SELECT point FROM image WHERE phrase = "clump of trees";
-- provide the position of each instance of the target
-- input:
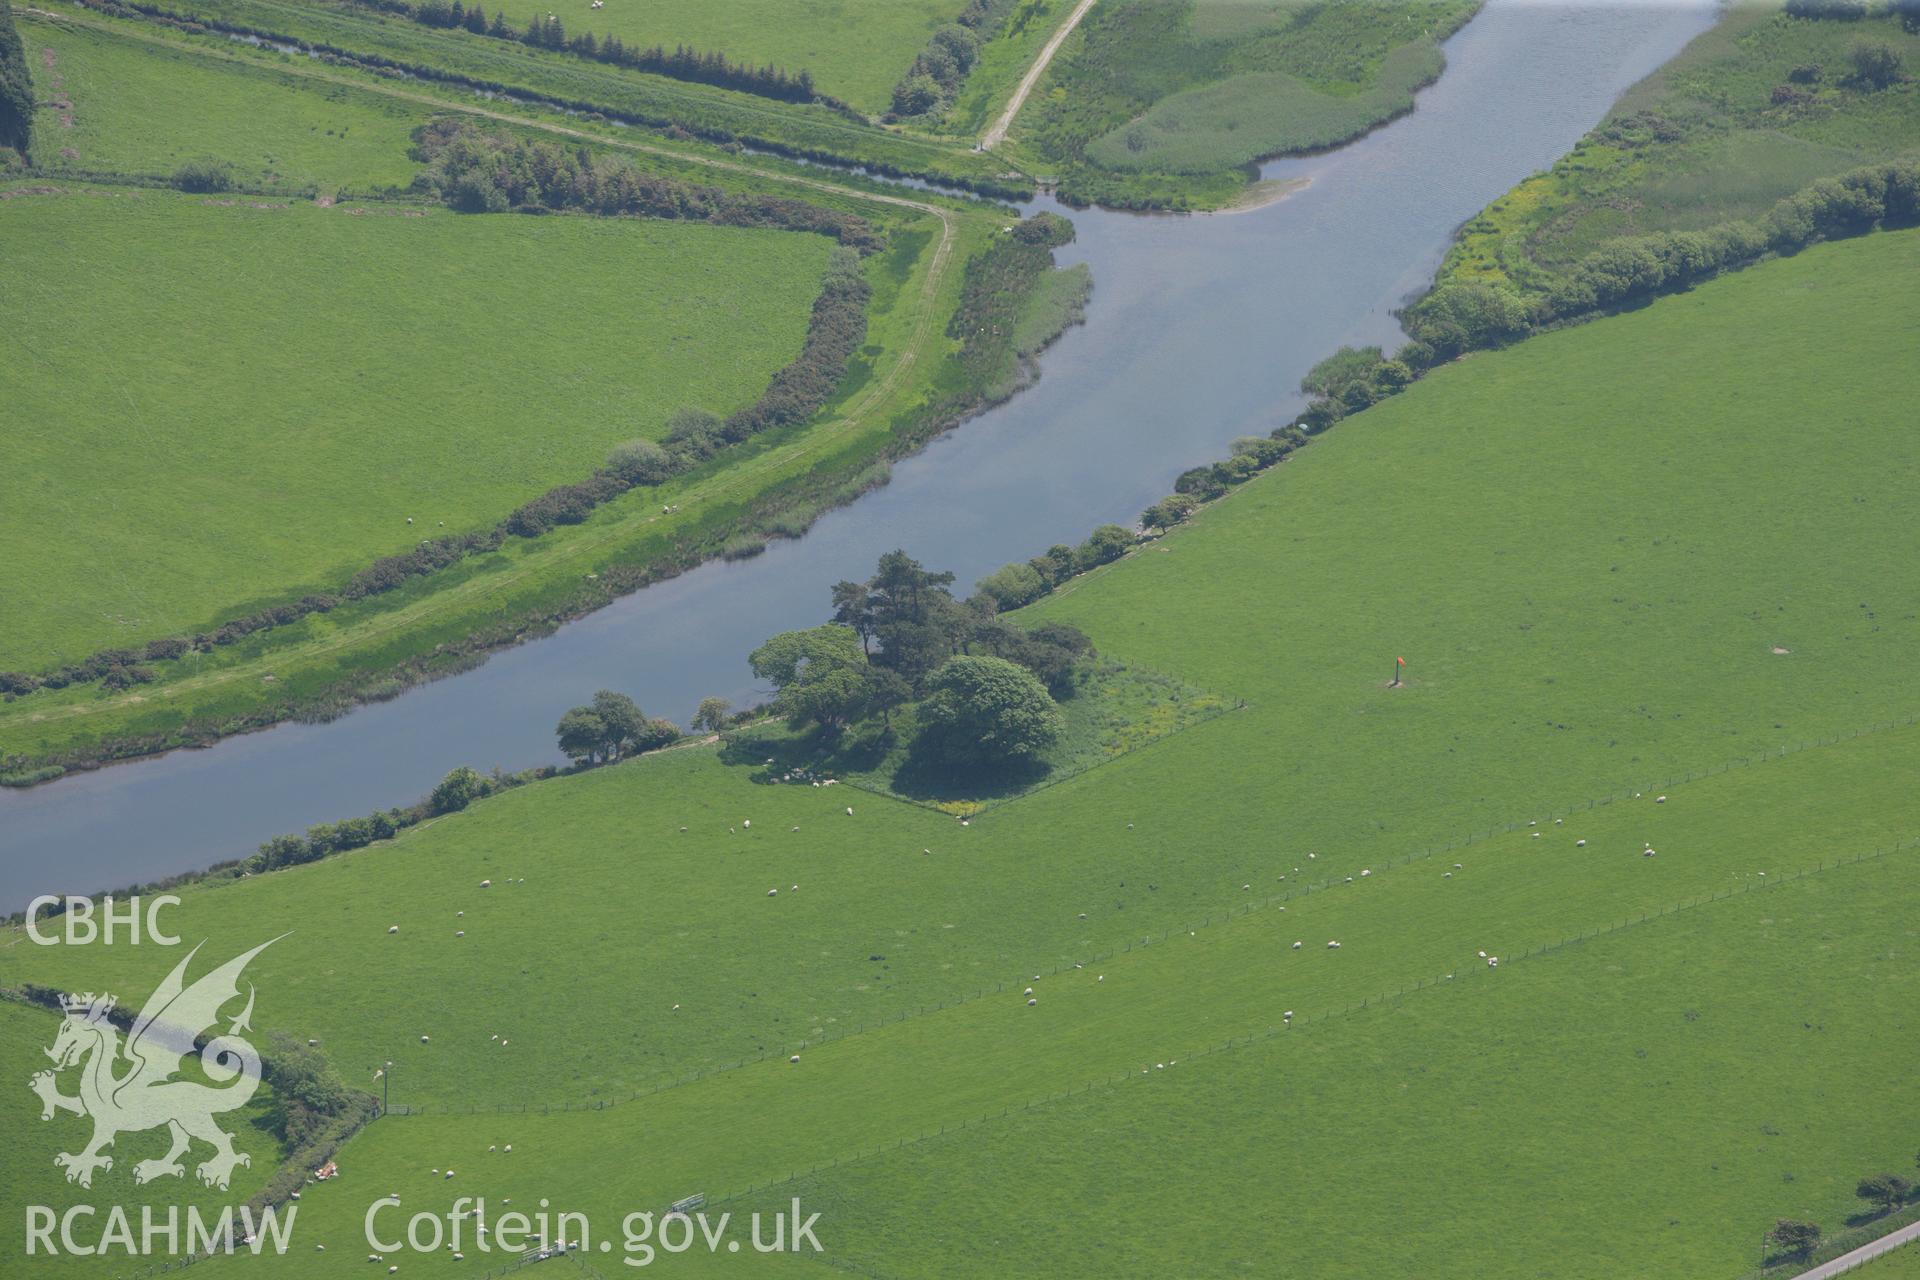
(899, 638)
(16, 87)
(610, 728)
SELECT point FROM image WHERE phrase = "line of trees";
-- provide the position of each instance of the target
(474, 171)
(16, 87)
(546, 31)
(930, 85)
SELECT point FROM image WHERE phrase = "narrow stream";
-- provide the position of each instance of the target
(1199, 331)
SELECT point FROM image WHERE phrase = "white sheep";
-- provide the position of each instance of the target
(1366, 873)
(1333, 946)
(1031, 1003)
(488, 884)
(1296, 946)
(393, 928)
(424, 1039)
(745, 823)
(773, 893)
(1659, 799)
(849, 811)
(794, 1058)
(1579, 844)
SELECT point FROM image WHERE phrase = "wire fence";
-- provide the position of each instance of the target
(1300, 1024)
(1295, 893)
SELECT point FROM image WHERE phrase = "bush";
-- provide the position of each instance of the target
(1103, 546)
(203, 176)
(456, 791)
(1333, 374)
(985, 712)
(1013, 585)
(1876, 63)
(640, 462)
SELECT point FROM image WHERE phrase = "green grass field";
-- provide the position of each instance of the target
(855, 51)
(1704, 140)
(108, 103)
(1155, 99)
(1608, 578)
(25, 1031)
(208, 389)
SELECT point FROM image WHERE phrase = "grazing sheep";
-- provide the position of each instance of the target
(1659, 799)
(1027, 992)
(773, 893)
(1032, 1002)
(1366, 873)
(1101, 978)
(508, 1147)
(423, 1039)
(1493, 962)
(1446, 875)
(1296, 946)
(1333, 946)
(794, 1058)
(1579, 844)
(488, 884)
(393, 928)
(1483, 955)
(849, 811)
(459, 933)
(745, 823)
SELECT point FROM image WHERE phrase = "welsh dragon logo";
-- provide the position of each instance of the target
(128, 1088)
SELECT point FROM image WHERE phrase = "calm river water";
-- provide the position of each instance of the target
(1199, 331)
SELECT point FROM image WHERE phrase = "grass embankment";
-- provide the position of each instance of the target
(159, 490)
(1165, 103)
(1754, 110)
(462, 59)
(1561, 540)
(898, 391)
(109, 104)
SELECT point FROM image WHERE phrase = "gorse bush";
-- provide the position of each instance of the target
(203, 176)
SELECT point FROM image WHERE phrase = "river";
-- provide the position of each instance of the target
(1199, 331)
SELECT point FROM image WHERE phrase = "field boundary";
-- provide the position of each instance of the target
(815, 439)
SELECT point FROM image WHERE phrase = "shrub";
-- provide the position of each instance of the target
(202, 176)
(1876, 63)
(456, 791)
(640, 462)
(985, 711)
(1013, 585)
(1103, 546)
(1333, 374)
